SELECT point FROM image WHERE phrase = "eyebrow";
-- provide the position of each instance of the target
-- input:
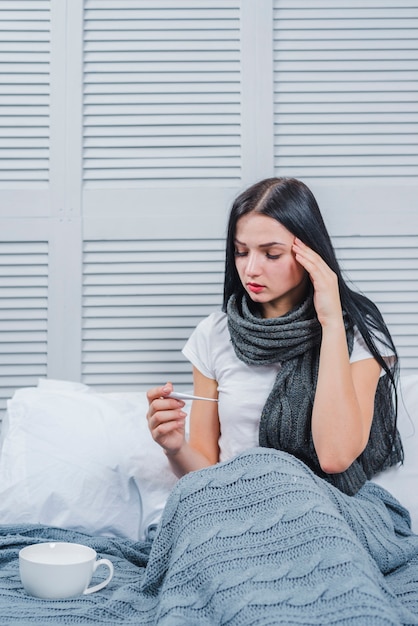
(263, 245)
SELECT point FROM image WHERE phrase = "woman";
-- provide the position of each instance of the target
(287, 528)
(298, 361)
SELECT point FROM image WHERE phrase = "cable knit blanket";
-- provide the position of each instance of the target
(258, 540)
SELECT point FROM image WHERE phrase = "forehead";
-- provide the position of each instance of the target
(257, 229)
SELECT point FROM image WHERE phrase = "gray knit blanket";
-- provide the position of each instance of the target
(258, 540)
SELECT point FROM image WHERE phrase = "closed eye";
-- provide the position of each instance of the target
(240, 253)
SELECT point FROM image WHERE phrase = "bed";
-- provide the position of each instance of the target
(77, 465)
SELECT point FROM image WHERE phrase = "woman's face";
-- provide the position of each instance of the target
(267, 266)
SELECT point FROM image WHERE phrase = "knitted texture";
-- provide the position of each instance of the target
(285, 422)
(258, 540)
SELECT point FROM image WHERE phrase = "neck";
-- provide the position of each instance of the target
(281, 306)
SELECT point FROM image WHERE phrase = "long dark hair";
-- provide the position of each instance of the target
(290, 202)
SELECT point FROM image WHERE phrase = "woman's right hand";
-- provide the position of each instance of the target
(166, 419)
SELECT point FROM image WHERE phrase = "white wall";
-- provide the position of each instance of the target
(129, 125)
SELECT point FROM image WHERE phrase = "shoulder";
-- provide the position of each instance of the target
(206, 341)
(214, 324)
(360, 350)
(209, 331)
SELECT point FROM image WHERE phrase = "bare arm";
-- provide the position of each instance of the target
(343, 406)
(166, 421)
(344, 399)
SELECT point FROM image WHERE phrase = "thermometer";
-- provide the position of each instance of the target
(188, 396)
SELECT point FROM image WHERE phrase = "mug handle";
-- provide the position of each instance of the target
(97, 564)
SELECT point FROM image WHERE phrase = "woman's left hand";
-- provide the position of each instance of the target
(325, 283)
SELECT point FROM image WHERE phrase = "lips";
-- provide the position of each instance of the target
(255, 287)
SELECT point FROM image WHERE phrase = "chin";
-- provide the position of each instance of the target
(255, 297)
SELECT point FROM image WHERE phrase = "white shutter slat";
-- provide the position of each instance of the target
(399, 291)
(129, 382)
(162, 163)
(326, 132)
(161, 21)
(380, 264)
(408, 320)
(153, 38)
(148, 100)
(25, 37)
(10, 179)
(351, 142)
(343, 19)
(37, 81)
(150, 58)
(323, 38)
(36, 336)
(178, 175)
(154, 66)
(12, 93)
(188, 280)
(9, 47)
(176, 81)
(173, 90)
(353, 68)
(130, 144)
(155, 110)
(371, 55)
(176, 310)
(155, 152)
(345, 75)
(132, 333)
(159, 132)
(371, 110)
(24, 76)
(176, 44)
(341, 92)
(341, 170)
(357, 5)
(169, 268)
(162, 4)
(360, 46)
(15, 359)
(32, 21)
(170, 77)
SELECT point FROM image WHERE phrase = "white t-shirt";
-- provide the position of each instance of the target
(243, 389)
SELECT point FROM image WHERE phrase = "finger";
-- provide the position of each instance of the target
(306, 252)
(162, 417)
(159, 392)
(167, 428)
(309, 264)
(166, 404)
(311, 260)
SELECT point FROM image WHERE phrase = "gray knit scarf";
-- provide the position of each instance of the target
(294, 341)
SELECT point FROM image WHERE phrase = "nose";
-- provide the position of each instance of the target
(253, 265)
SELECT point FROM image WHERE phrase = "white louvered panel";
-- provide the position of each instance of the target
(23, 315)
(386, 270)
(346, 88)
(162, 99)
(24, 93)
(141, 300)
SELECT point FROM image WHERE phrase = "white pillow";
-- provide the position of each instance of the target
(402, 481)
(82, 460)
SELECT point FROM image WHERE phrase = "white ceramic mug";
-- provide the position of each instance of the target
(60, 570)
